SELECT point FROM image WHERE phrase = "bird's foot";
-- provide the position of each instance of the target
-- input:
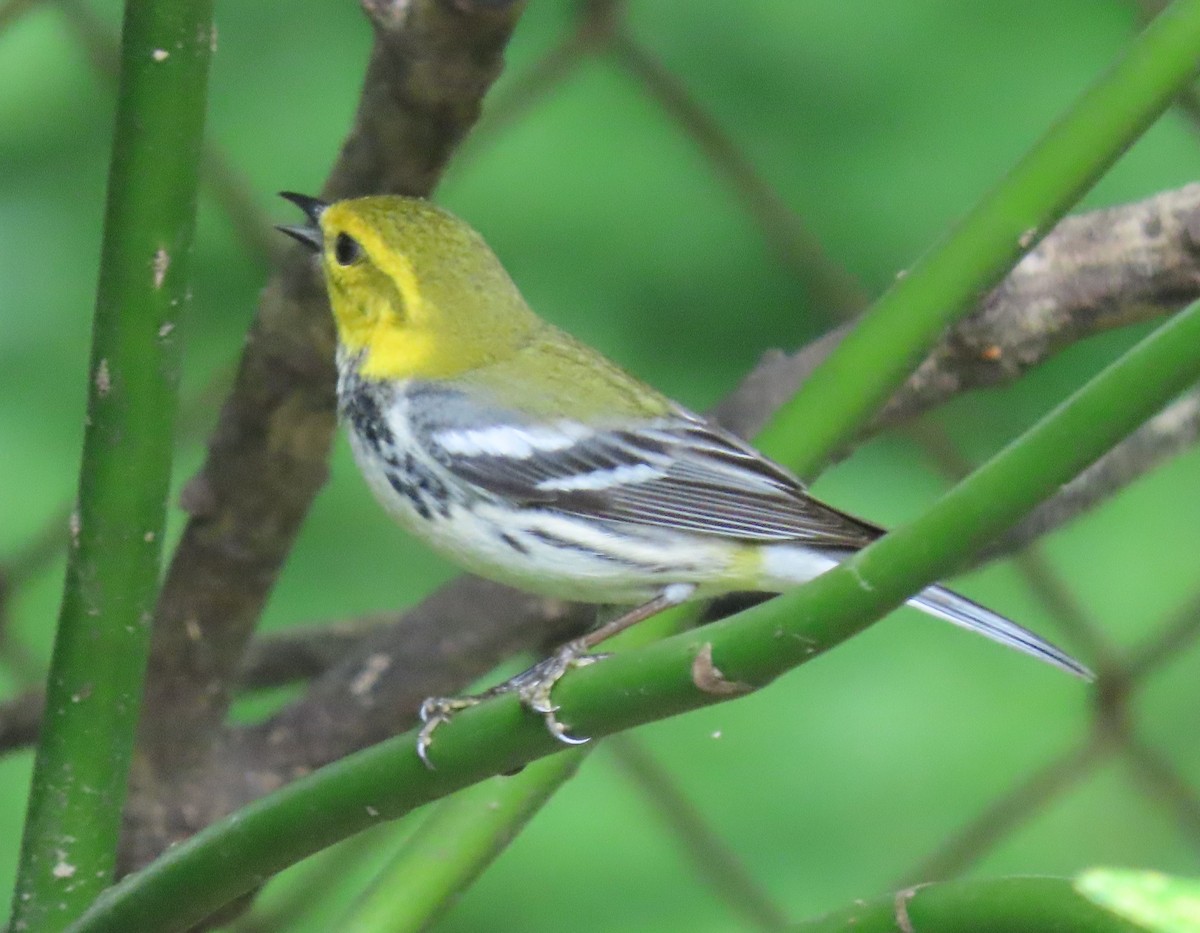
(532, 687)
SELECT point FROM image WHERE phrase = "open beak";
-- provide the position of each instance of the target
(313, 208)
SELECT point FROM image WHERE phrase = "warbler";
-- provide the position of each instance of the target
(528, 457)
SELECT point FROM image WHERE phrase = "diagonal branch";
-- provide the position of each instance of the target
(1093, 272)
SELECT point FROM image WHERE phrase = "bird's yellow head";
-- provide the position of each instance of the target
(414, 290)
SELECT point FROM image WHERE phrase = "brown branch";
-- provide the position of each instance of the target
(456, 635)
(1093, 272)
(430, 65)
(295, 654)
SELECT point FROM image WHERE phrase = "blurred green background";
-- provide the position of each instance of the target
(878, 124)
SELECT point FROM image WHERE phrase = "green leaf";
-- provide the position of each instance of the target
(1160, 903)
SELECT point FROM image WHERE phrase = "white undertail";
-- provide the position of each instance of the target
(790, 565)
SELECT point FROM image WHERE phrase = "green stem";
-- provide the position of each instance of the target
(1003, 905)
(851, 385)
(228, 858)
(460, 838)
(94, 690)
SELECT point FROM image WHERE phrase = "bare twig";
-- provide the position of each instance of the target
(295, 654)
(1093, 272)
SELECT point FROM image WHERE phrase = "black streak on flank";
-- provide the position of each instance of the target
(427, 484)
(399, 483)
(417, 483)
(362, 411)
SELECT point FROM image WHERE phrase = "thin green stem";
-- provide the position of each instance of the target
(845, 391)
(95, 684)
(460, 838)
(309, 887)
(676, 674)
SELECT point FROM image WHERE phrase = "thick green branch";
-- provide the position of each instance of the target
(95, 682)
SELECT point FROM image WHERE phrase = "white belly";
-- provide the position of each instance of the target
(538, 550)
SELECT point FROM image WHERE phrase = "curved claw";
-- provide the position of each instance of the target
(566, 738)
(433, 712)
(424, 737)
(559, 731)
(533, 686)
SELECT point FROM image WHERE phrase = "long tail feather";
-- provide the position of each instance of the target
(946, 604)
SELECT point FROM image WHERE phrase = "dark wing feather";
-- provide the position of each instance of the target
(675, 472)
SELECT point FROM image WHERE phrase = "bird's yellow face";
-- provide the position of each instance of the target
(416, 291)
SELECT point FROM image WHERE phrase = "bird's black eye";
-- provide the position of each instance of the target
(346, 249)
